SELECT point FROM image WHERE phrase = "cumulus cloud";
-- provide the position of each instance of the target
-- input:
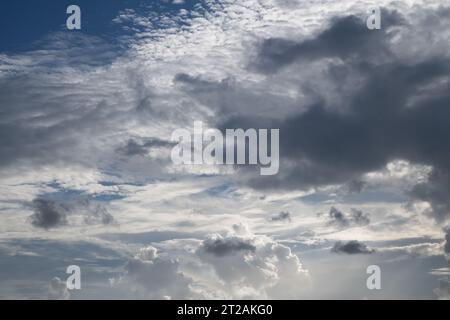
(426, 249)
(135, 148)
(351, 247)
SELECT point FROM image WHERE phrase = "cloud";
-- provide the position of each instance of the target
(337, 217)
(134, 148)
(351, 247)
(356, 186)
(426, 249)
(348, 102)
(370, 104)
(443, 291)
(236, 265)
(261, 268)
(447, 242)
(435, 192)
(282, 216)
(355, 218)
(347, 38)
(99, 215)
(154, 277)
(51, 213)
(359, 218)
(47, 214)
(58, 290)
(328, 147)
(220, 246)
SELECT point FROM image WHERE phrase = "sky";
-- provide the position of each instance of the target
(86, 176)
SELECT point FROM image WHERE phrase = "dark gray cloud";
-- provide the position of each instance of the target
(226, 246)
(282, 216)
(58, 290)
(45, 117)
(435, 191)
(47, 214)
(447, 242)
(351, 247)
(52, 212)
(198, 82)
(348, 38)
(342, 220)
(443, 291)
(99, 215)
(398, 110)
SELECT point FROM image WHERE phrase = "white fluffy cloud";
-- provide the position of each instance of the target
(235, 265)
(149, 276)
